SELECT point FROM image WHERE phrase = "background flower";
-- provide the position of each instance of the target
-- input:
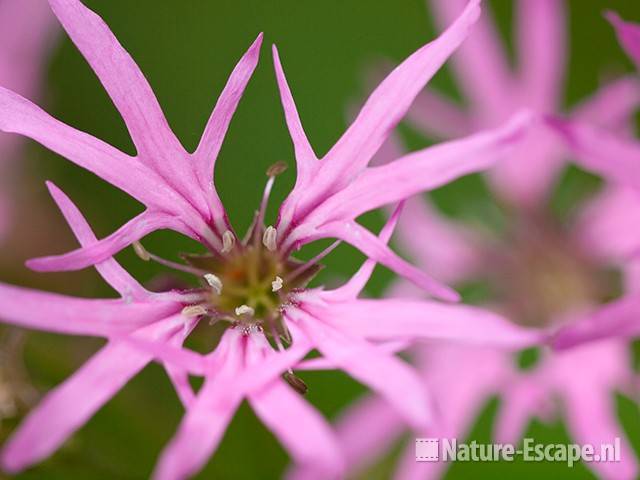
(537, 266)
(26, 36)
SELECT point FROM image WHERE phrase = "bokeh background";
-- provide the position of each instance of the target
(187, 49)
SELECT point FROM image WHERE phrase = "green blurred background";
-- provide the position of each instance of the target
(187, 48)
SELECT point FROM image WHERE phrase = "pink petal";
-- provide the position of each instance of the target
(18, 115)
(305, 434)
(378, 251)
(423, 170)
(542, 38)
(592, 419)
(205, 422)
(306, 159)
(367, 430)
(481, 65)
(110, 270)
(357, 282)
(27, 33)
(169, 354)
(321, 363)
(620, 318)
(528, 174)
(438, 117)
(70, 405)
(255, 377)
(594, 148)
(180, 381)
(121, 78)
(383, 110)
(218, 124)
(520, 403)
(451, 254)
(179, 376)
(412, 319)
(145, 223)
(385, 374)
(463, 379)
(76, 316)
(409, 469)
(609, 226)
(299, 427)
(391, 100)
(628, 35)
(612, 105)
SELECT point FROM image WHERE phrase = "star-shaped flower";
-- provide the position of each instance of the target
(253, 287)
(177, 187)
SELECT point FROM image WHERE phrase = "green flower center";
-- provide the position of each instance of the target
(541, 274)
(250, 284)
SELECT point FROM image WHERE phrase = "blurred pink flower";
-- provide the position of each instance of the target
(253, 285)
(594, 148)
(628, 35)
(26, 28)
(546, 275)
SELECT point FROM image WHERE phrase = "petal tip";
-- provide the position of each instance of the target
(257, 43)
(612, 17)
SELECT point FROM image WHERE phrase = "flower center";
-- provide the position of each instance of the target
(251, 283)
(540, 273)
(247, 283)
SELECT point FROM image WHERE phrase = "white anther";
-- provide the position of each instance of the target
(269, 238)
(141, 252)
(244, 310)
(276, 284)
(194, 311)
(228, 241)
(214, 282)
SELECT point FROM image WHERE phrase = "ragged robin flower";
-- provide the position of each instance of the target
(253, 287)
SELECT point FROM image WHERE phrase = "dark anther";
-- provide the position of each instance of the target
(276, 169)
(296, 382)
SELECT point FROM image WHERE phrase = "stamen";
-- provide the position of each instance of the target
(263, 208)
(141, 252)
(276, 284)
(276, 338)
(296, 382)
(228, 241)
(146, 256)
(272, 172)
(276, 169)
(214, 282)
(194, 311)
(314, 261)
(269, 238)
(244, 310)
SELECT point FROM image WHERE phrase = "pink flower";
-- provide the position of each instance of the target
(25, 34)
(143, 325)
(628, 35)
(614, 216)
(177, 188)
(541, 273)
(494, 91)
(254, 287)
